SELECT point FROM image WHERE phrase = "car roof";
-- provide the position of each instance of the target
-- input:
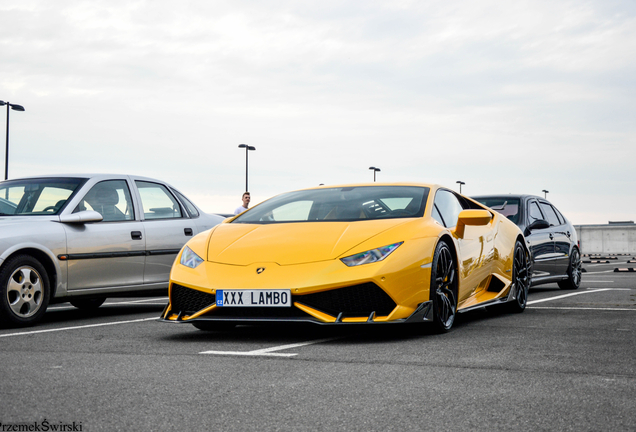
(518, 196)
(97, 176)
(346, 185)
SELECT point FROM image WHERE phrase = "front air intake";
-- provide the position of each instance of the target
(353, 301)
(189, 300)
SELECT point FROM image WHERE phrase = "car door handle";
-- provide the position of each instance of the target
(135, 235)
(568, 234)
(551, 236)
(187, 231)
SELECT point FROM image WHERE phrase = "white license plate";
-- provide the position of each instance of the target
(254, 298)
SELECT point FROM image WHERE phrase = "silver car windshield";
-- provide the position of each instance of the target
(31, 197)
(340, 204)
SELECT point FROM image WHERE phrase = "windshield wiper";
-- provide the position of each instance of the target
(501, 207)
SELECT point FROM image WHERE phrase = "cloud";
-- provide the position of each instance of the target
(521, 96)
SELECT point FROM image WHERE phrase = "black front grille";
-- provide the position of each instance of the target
(353, 301)
(189, 300)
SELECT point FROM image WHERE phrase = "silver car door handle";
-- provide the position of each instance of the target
(187, 231)
(135, 235)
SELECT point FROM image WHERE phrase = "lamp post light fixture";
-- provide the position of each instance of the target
(460, 185)
(247, 149)
(14, 107)
(375, 170)
(545, 193)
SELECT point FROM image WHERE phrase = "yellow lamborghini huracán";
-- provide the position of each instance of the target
(352, 254)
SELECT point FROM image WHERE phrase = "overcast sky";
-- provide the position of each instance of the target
(509, 97)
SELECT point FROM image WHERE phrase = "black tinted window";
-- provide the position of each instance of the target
(550, 214)
(509, 207)
(535, 212)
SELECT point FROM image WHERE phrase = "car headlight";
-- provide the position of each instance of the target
(370, 256)
(189, 258)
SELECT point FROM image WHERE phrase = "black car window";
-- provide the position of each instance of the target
(535, 212)
(448, 206)
(509, 207)
(559, 215)
(551, 214)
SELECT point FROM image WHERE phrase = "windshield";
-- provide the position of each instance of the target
(45, 196)
(509, 207)
(340, 204)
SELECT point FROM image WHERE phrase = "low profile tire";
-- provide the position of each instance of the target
(88, 303)
(24, 291)
(574, 272)
(520, 279)
(213, 325)
(443, 288)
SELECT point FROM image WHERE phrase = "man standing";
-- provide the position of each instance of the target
(246, 204)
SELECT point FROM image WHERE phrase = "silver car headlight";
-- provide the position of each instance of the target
(370, 256)
(189, 258)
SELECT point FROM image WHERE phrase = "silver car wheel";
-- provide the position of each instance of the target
(25, 292)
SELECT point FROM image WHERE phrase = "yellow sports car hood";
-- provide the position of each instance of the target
(291, 243)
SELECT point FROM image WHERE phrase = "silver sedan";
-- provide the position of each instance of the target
(83, 238)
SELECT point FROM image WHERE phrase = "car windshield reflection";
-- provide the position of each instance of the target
(340, 204)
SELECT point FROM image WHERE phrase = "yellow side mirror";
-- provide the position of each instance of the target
(473, 218)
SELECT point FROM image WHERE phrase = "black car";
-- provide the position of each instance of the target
(551, 238)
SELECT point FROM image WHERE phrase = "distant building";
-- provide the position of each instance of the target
(617, 237)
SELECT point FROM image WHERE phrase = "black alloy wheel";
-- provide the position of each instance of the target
(24, 291)
(443, 288)
(574, 271)
(520, 279)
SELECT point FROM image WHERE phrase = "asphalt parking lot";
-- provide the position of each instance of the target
(567, 363)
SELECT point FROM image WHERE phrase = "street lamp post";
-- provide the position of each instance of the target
(460, 185)
(14, 107)
(545, 193)
(375, 170)
(247, 149)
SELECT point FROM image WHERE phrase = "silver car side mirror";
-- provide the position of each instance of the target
(82, 217)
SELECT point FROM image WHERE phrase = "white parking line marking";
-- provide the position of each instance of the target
(576, 293)
(269, 351)
(600, 272)
(77, 327)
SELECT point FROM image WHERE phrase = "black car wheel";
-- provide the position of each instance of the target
(574, 271)
(443, 288)
(520, 279)
(24, 291)
(88, 303)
